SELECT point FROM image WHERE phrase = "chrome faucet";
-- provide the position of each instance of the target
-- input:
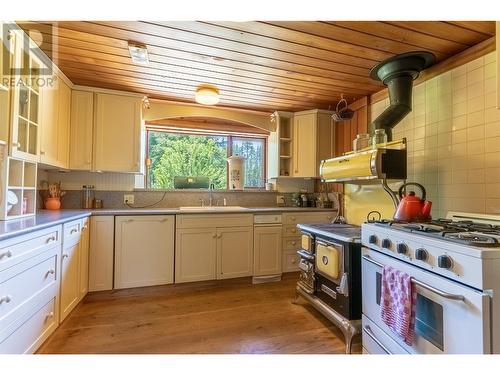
(210, 192)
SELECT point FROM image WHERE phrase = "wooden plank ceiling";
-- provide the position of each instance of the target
(289, 65)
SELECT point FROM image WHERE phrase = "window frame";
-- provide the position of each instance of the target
(228, 135)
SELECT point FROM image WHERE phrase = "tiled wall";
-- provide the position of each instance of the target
(453, 137)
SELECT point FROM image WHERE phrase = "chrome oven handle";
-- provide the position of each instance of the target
(439, 292)
(369, 332)
(306, 255)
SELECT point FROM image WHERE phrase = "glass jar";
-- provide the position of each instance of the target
(88, 196)
(379, 138)
(360, 142)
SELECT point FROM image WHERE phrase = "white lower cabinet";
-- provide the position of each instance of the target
(234, 252)
(29, 289)
(101, 253)
(210, 247)
(70, 279)
(267, 251)
(144, 250)
(195, 254)
(84, 257)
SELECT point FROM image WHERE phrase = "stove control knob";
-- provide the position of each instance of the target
(402, 248)
(444, 261)
(372, 239)
(421, 254)
(386, 243)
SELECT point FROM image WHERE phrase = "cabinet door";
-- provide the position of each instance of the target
(304, 146)
(48, 124)
(5, 63)
(234, 252)
(25, 106)
(101, 253)
(81, 126)
(117, 139)
(70, 279)
(84, 258)
(63, 119)
(267, 251)
(195, 254)
(144, 250)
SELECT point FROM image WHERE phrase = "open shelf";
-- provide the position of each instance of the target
(19, 177)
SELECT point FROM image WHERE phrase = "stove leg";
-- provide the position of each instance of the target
(348, 344)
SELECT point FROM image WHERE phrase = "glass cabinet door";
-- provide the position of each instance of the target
(26, 104)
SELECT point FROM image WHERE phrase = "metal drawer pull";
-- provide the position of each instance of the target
(5, 299)
(50, 239)
(455, 297)
(65, 256)
(370, 334)
(73, 231)
(50, 315)
(50, 272)
(7, 254)
(304, 254)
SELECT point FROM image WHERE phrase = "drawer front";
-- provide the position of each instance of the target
(72, 232)
(214, 220)
(290, 261)
(20, 285)
(31, 333)
(291, 230)
(291, 243)
(309, 217)
(21, 248)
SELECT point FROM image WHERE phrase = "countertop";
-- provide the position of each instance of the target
(45, 218)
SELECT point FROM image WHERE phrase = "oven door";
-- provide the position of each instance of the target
(444, 322)
(330, 260)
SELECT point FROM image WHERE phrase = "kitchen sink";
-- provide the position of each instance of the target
(212, 208)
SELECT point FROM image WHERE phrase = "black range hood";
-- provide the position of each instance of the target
(398, 74)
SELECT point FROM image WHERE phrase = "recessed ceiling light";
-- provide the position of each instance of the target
(138, 53)
(207, 95)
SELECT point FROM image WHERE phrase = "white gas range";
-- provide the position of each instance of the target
(454, 264)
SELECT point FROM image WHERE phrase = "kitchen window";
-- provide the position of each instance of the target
(172, 153)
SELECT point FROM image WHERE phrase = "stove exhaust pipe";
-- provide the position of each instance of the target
(398, 74)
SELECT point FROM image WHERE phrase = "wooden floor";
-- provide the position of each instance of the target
(231, 316)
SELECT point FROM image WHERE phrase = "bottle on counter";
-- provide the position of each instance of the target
(379, 139)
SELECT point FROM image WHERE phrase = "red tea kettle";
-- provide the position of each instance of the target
(411, 207)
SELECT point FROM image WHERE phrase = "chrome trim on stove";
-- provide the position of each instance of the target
(455, 297)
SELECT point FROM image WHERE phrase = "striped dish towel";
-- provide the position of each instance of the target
(398, 303)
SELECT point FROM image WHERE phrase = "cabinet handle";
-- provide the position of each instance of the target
(294, 243)
(50, 315)
(42, 152)
(294, 261)
(50, 272)
(292, 218)
(73, 231)
(65, 256)
(163, 220)
(50, 239)
(16, 144)
(219, 236)
(84, 228)
(294, 230)
(214, 235)
(7, 254)
(5, 299)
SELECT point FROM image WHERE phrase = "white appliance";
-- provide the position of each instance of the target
(454, 264)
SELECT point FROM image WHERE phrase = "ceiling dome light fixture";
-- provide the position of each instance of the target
(207, 95)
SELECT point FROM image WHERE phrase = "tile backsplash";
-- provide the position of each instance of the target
(453, 135)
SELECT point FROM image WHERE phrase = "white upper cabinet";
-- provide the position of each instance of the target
(117, 133)
(81, 130)
(54, 124)
(25, 120)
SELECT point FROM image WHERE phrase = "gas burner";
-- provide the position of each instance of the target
(473, 239)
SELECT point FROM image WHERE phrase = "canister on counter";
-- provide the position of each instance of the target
(87, 196)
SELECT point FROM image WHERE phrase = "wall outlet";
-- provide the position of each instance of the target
(280, 200)
(128, 198)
